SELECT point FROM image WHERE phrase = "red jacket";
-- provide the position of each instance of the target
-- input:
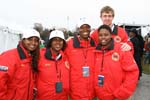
(119, 35)
(50, 72)
(119, 70)
(80, 54)
(17, 82)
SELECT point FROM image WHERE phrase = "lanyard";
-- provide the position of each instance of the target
(102, 62)
(85, 50)
(58, 73)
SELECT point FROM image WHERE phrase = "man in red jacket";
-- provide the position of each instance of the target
(107, 15)
(81, 58)
(18, 67)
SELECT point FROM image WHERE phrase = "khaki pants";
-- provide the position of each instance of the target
(130, 98)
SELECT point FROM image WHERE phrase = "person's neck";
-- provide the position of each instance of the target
(84, 39)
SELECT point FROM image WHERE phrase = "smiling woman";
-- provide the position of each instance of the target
(53, 76)
(18, 67)
(108, 84)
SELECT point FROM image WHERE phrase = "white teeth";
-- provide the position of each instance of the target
(85, 33)
(57, 46)
(103, 41)
(32, 46)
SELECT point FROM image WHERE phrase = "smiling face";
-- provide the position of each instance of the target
(107, 18)
(104, 35)
(31, 44)
(57, 44)
(107, 15)
(84, 31)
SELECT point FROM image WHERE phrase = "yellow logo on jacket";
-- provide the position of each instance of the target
(115, 56)
(47, 65)
(22, 65)
(117, 39)
(67, 64)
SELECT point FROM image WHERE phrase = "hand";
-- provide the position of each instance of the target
(125, 47)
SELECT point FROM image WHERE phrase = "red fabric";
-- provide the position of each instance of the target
(81, 87)
(120, 74)
(47, 77)
(17, 82)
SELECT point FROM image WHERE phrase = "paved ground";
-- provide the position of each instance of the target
(143, 88)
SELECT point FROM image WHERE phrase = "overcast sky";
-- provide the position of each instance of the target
(66, 13)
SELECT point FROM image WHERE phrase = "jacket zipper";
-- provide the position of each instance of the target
(14, 95)
(29, 85)
(103, 52)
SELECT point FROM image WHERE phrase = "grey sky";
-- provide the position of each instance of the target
(66, 13)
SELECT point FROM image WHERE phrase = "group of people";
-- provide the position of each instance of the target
(86, 66)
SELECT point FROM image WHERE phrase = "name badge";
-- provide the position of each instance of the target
(86, 71)
(100, 80)
(58, 87)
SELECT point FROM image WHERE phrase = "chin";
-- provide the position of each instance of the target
(58, 50)
(103, 44)
(31, 49)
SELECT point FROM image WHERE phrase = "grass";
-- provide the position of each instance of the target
(146, 68)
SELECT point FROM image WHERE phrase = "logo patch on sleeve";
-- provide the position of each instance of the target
(3, 68)
(117, 39)
(115, 56)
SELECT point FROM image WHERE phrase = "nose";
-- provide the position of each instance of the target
(102, 36)
(34, 41)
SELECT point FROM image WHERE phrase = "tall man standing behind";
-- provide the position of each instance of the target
(119, 34)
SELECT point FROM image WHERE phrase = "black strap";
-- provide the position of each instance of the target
(21, 52)
(76, 43)
(48, 55)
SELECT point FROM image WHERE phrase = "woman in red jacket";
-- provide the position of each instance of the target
(53, 76)
(18, 67)
(116, 73)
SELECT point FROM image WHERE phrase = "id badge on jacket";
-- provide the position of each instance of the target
(100, 80)
(58, 87)
(85, 71)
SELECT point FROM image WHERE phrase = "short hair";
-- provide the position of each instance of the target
(105, 27)
(107, 9)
